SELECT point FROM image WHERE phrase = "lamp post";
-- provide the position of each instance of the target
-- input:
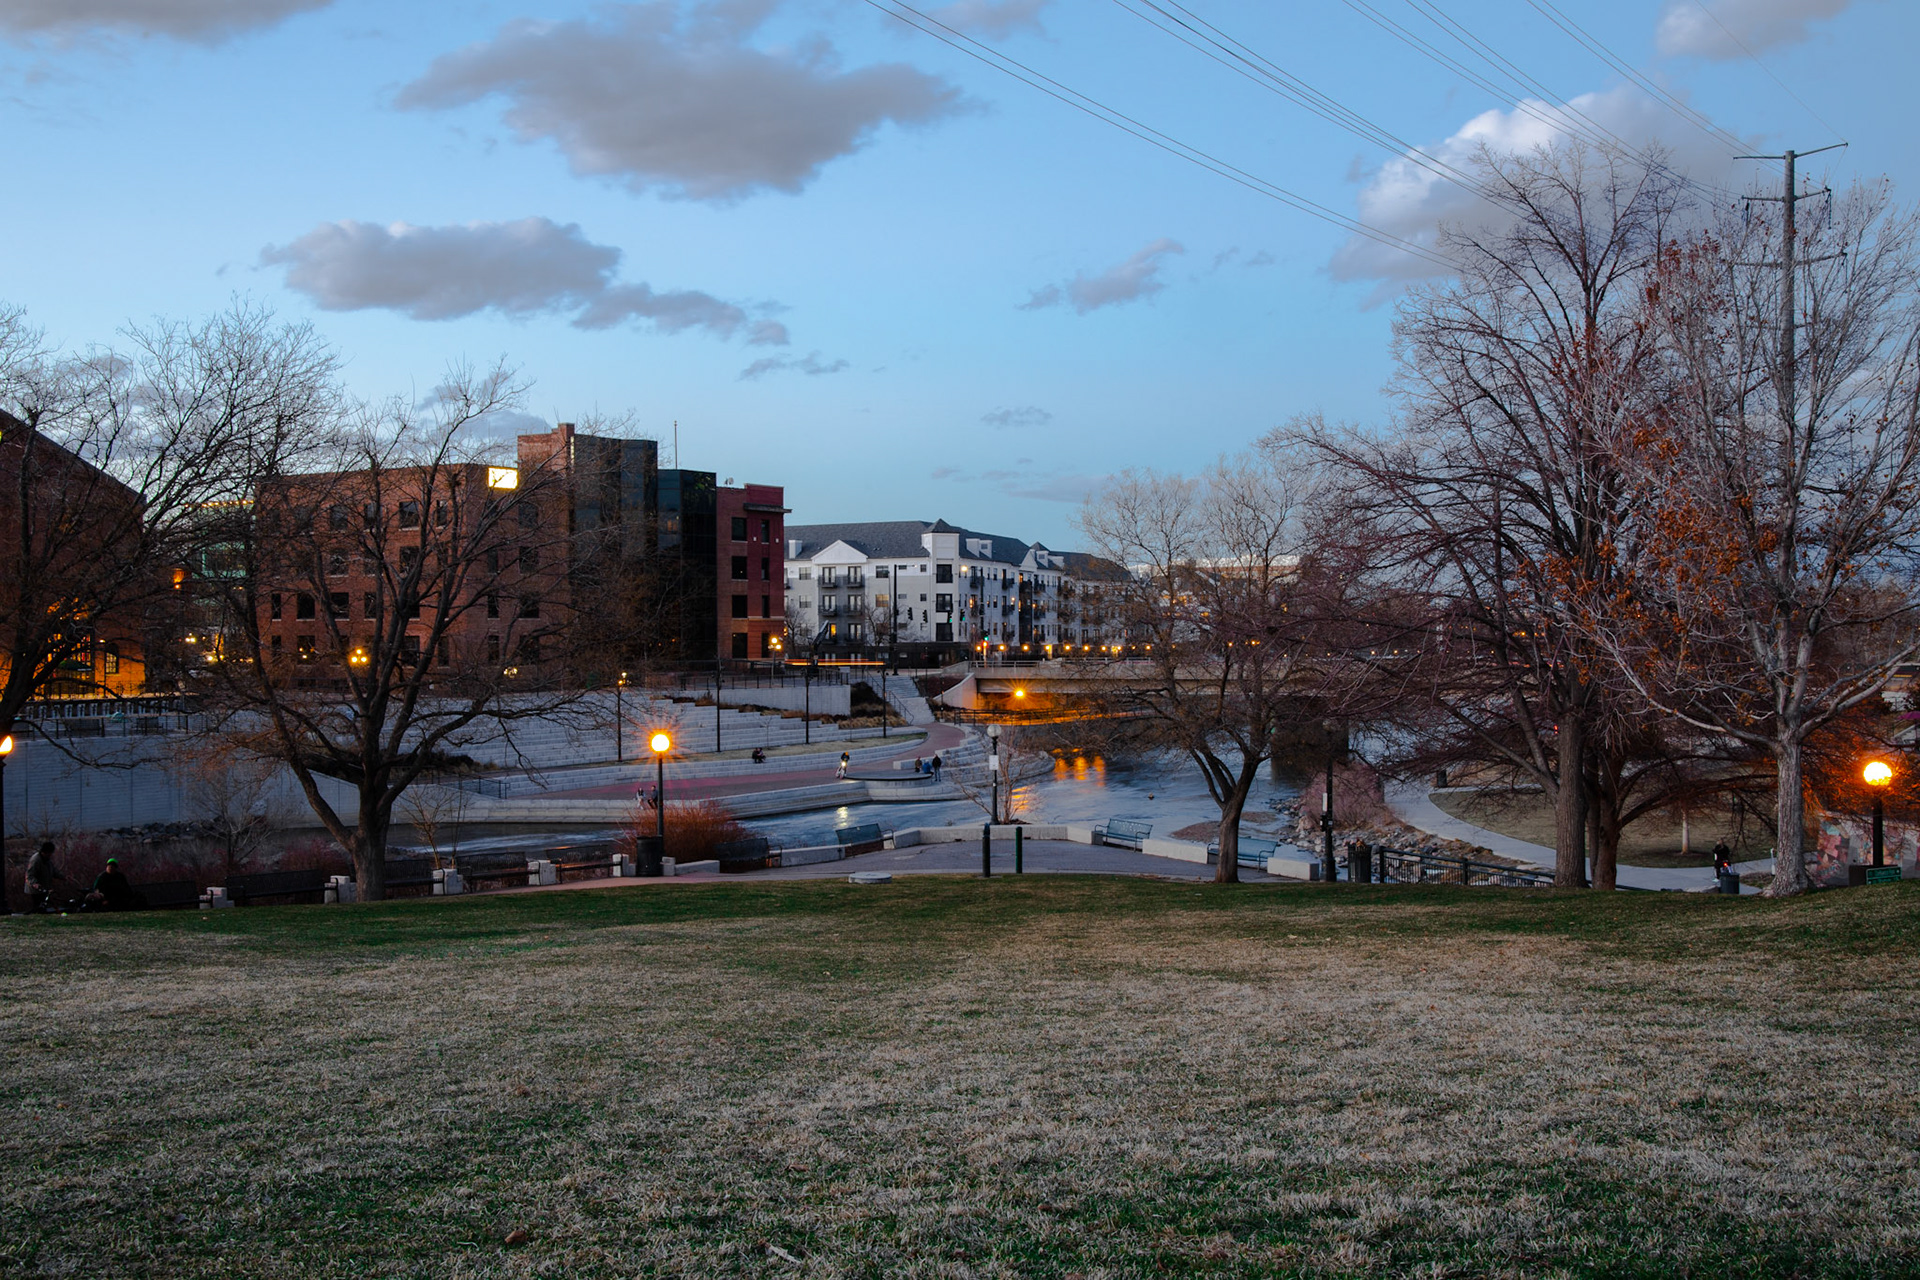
(661, 744)
(993, 769)
(6, 749)
(806, 693)
(619, 721)
(1879, 774)
(1329, 868)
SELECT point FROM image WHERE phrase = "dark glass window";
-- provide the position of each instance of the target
(739, 606)
(943, 604)
(409, 515)
(339, 518)
(274, 607)
(529, 606)
(493, 648)
(739, 644)
(529, 516)
(766, 531)
(529, 559)
(943, 573)
(493, 605)
(740, 530)
(740, 568)
(337, 604)
(303, 605)
(766, 568)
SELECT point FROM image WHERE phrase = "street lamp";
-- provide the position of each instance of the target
(619, 721)
(1879, 774)
(6, 749)
(661, 744)
(1329, 868)
(993, 812)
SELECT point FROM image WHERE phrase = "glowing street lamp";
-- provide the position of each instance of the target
(6, 749)
(1879, 775)
(661, 744)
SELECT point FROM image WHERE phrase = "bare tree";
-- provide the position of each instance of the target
(1025, 756)
(392, 606)
(1501, 496)
(1776, 586)
(111, 462)
(227, 787)
(1230, 611)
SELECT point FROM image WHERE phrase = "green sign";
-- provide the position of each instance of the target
(1883, 875)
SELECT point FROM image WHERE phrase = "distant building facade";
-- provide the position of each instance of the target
(940, 592)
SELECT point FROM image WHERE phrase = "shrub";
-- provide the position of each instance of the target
(694, 830)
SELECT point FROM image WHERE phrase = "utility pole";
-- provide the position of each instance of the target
(1789, 373)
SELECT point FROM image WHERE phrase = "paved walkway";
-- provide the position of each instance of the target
(782, 774)
(1411, 804)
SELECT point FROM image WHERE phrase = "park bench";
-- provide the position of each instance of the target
(476, 867)
(162, 894)
(604, 863)
(1125, 832)
(1254, 851)
(736, 856)
(298, 885)
(409, 873)
(866, 837)
(1456, 870)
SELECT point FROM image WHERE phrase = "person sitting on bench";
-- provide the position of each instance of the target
(112, 891)
(759, 755)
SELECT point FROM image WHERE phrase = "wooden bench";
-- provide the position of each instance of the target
(476, 867)
(1254, 851)
(1125, 832)
(409, 873)
(737, 856)
(298, 885)
(865, 837)
(164, 894)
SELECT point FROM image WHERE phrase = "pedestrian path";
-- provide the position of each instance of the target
(1410, 802)
(820, 770)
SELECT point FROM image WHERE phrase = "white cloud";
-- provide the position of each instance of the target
(810, 364)
(1722, 29)
(995, 19)
(682, 103)
(205, 21)
(1137, 277)
(1412, 202)
(1026, 415)
(528, 267)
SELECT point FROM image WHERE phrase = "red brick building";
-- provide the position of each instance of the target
(750, 522)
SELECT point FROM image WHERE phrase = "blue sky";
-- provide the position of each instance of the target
(842, 255)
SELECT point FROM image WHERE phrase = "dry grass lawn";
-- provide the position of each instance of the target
(1061, 1076)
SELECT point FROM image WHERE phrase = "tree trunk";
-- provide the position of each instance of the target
(370, 853)
(1570, 808)
(1606, 852)
(1789, 860)
(1228, 872)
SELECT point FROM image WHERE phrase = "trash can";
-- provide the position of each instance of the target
(1729, 883)
(647, 851)
(1360, 863)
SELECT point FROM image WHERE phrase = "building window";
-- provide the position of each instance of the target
(880, 599)
(806, 574)
(529, 516)
(766, 531)
(529, 606)
(740, 607)
(409, 515)
(274, 607)
(828, 576)
(829, 604)
(303, 605)
(739, 569)
(740, 642)
(856, 631)
(740, 535)
(943, 633)
(369, 605)
(339, 518)
(337, 564)
(766, 644)
(766, 606)
(409, 559)
(529, 559)
(276, 644)
(766, 568)
(110, 661)
(305, 645)
(493, 648)
(493, 604)
(943, 573)
(410, 647)
(337, 605)
(943, 603)
(529, 649)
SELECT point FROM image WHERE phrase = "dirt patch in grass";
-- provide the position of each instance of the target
(1654, 841)
(950, 1077)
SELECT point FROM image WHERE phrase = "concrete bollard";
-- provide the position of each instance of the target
(669, 866)
(541, 871)
(623, 867)
(447, 882)
(340, 889)
(214, 898)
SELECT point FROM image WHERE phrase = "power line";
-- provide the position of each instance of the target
(1010, 66)
(1755, 59)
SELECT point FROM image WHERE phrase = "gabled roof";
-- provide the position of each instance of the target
(900, 540)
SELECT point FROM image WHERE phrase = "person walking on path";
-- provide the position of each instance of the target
(936, 767)
(846, 758)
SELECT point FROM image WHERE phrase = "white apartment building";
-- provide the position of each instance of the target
(942, 590)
